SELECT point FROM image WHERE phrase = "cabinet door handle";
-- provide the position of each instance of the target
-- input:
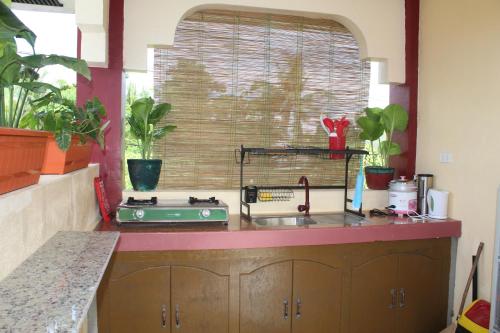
(402, 298)
(393, 299)
(177, 316)
(163, 315)
(299, 304)
(285, 309)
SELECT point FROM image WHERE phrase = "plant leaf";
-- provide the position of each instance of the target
(41, 60)
(39, 87)
(159, 133)
(10, 66)
(374, 113)
(136, 129)
(394, 117)
(159, 111)
(11, 26)
(390, 148)
(141, 109)
(63, 139)
(372, 130)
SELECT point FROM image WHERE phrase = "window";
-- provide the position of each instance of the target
(257, 80)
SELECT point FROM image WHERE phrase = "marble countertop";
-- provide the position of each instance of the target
(52, 290)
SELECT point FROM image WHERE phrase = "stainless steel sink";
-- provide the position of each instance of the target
(339, 218)
(321, 219)
(276, 221)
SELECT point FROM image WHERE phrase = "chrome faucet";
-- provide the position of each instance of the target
(305, 207)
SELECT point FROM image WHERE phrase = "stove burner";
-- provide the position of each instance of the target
(212, 200)
(147, 202)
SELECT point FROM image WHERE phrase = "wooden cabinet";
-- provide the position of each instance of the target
(400, 290)
(200, 301)
(293, 296)
(140, 301)
(141, 294)
(390, 287)
(265, 297)
(317, 294)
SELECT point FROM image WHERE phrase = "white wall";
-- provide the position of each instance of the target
(32, 215)
(459, 90)
(378, 25)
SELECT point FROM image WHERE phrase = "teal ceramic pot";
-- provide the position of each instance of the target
(378, 178)
(144, 174)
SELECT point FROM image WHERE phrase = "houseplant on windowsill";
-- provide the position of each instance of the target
(22, 150)
(72, 131)
(374, 124)
(144, 121)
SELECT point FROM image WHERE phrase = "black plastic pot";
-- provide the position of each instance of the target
(144, 174)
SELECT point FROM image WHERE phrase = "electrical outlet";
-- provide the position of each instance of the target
(445, 157)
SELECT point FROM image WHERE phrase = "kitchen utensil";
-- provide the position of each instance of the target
(437, 202)
(424, 183)
(402, 196)
(250, 194)
(358, 189)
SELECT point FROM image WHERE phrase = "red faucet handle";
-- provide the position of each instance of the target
(302, 208)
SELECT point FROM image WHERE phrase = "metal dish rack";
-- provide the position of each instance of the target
(285, 193)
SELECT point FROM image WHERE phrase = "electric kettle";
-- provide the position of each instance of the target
(437, 202)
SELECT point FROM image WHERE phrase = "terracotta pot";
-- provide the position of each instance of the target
(22, 153)
(58, 162)
(378, 178)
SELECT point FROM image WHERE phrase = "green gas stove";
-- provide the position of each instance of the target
(154, 211)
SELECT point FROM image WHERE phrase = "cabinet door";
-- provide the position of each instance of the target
(200, 301)
(373, 296)
(265, 299)
(140, 301)
(317, 292)
(422, 303)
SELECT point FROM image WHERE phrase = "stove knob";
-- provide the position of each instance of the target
(139, 213)
(205, 213)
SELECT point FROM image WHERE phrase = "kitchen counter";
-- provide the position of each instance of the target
(53, 289)
(240, 234)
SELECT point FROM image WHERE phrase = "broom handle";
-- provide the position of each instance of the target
(469, 280)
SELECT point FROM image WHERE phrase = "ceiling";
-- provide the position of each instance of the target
(66, 6)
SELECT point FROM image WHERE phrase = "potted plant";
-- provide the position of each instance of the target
(72, 131)
(374, 124)
(144, 122)
(22, 150)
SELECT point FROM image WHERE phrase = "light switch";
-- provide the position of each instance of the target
(445, 157)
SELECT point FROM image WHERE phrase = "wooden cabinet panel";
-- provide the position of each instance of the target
(372, 303)
(140, 302)
(422, 307)
(200, 301)
(317, 296)
(265, 299)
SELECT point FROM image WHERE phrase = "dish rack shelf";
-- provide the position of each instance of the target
(287, 191)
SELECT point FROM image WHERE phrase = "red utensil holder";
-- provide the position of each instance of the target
(337, 143)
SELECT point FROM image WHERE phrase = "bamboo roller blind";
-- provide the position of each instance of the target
(259, 80)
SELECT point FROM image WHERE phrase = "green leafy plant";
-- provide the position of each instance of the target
(19, 78)
(63, 118)
(144, 123)
(374, 124)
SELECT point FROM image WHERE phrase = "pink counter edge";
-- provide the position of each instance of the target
(247, 239)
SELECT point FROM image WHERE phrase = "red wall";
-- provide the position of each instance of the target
(407, 94)
(106, 84)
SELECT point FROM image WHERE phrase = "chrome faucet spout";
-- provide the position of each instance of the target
(306, 206)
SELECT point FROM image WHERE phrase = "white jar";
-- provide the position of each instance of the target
(402, 196)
